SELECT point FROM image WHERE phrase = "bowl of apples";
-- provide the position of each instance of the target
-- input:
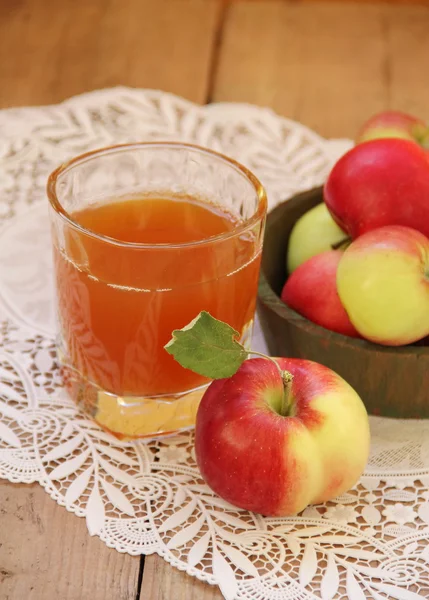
(345, 269)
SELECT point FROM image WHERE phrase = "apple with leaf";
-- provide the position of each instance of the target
(272, 435)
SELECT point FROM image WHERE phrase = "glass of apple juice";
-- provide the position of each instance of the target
(145, 236)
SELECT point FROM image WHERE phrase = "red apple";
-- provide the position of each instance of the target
(383, 283)
(274, 451)
(311, 290)
(395, 124)
(378, 183)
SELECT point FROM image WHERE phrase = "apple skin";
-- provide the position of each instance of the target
(311, 291)
(276, 465)
(395, 124)
(313, 233)
(378, 183)
(383, 283)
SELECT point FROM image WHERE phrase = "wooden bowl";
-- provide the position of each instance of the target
(391, 381)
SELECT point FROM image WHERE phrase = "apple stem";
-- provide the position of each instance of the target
(344, 242)
(286, 378)
(287, 384)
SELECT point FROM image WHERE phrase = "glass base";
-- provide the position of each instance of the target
(134, 417)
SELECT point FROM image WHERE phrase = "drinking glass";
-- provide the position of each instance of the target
(119, 298)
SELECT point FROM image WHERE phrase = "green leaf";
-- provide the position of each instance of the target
(208, 347)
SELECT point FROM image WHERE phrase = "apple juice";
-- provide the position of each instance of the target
(168, 258)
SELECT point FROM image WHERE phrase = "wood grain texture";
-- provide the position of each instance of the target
(328, 65)
(52, 50)
(49, 51)
(162, 582)
(407, 32)
(46, 553)
(343, 1)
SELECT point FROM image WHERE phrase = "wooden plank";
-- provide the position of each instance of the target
(163, 582)
(343, 1)
(46, 552)
(327, 65)
(51, 50)
(408, 37)
(416, 2)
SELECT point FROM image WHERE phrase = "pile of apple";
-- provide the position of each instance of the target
(359, 262)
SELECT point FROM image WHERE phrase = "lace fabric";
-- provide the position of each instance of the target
(149, 497)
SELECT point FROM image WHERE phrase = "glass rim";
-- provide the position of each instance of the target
(82, 158)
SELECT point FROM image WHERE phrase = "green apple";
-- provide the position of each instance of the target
(315, 232)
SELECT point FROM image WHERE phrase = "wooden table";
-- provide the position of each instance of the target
(329, 65)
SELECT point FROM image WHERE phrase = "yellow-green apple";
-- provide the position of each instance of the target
(273, 447)
(311, 291)
(313, 233)
(395, 124)
(378, 183)
(383, 283)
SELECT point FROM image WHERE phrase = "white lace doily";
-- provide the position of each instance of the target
(370, 543)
